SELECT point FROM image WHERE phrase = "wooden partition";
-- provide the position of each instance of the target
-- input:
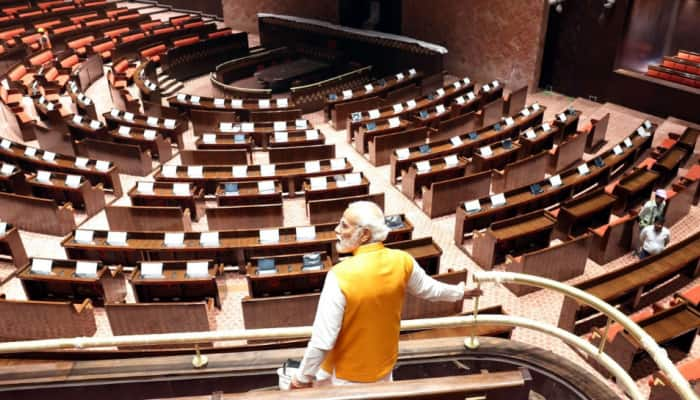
(331, 210)
(341, 112)
(142, 218)
(129, 158)
(612, 240)
(381, 147)
(567, 153)
(301, 153)
(596, 137)
(515, 100)
(442, 198)
(520, 173)
(34, 320)
(215, 157)
(36, 214)
(11, 245)
(559, 262)
(492, 112)
(245, 216)
(155, 318)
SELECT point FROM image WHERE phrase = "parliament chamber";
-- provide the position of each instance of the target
(172, 176)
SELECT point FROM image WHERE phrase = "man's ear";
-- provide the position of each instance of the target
(366, 235)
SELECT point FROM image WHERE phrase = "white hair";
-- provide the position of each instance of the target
(370, 216)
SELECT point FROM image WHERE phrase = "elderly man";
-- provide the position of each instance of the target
(652, 209)
(356, 331)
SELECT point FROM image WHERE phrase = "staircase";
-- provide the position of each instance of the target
(167, 84)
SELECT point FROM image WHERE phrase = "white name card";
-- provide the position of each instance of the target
(460, 100)
(628, 142)
(248, 126)
(264, 103)
(555, 181)
(84, 236)
(546, 127)
(95, 124)
(169, 171)
(102, 166)
(617, 150)
(535, 107)
(561, 117)
(116, 238)
(151, 269)
(81, 162)
(525, 112)
(7, 169)
(3, 228)
(347, 94)
(451, 160)
(144, 187)
(374, 114)
(152, 121)
(281, 137)
(495, 83)
(236, 103)
(583, 169)
(149, 134)
(397, 108)
(73, 181)
(266, 186)
(181, 97)
(181, 189)
(472, 206)
(412, 71)
(301, 124)
(509, 121)
(394, 122)
(195, 171)
(318, 183)
(77, 119)
(86, 269)
(209, 239)
(312, 166)
(642, 132)
(354, 178)
(219, 103)
(456, 141)
(411, 104)
(195, 99)
(403, 153)
(226, 126)
(369, 88)
(43, 176)
(114, 112)
(486, 151)
(279, 126)
(337, 163)
(647, 124)
(498, 200)
(197, 269)
(41, 266)
(48, 156)
(282, 103)
(239, 171)
(312, 134)
(267, 169)
(172, 239)
(5, 144)
(485, 88)
(124, 131)
(530, 134)
(306, 233)
(50, 106)
(439, 108)
(30, 152)
(169, 123)
(471, 96)
(269, 235)
(399, 76)
(440, 92)
(457, 84)
(129, 116)
(209, 138)
(423, 166)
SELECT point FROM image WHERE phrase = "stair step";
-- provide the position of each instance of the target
(173, 89)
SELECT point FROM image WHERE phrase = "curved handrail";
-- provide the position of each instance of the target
(658, 354)
(358, 71)
(303, 332)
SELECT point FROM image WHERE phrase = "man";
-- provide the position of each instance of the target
(654, 238)
(44, 41)
(652, 209)
(356, 330)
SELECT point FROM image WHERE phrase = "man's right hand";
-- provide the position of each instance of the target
(470, 293)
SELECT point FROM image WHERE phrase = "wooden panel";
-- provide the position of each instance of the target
(142, 218)
(245, 217)
(331, 210)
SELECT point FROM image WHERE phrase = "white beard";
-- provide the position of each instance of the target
(349, 245)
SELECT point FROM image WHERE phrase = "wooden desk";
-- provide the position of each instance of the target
(334, 190)
(215, 157)
(164, 196)
(243, 111)
(543, 140)
(288, 278)
(128, 158)
(301, 153)
(245, 216)
(331, 210)
(569, 126)
(290, 175)
(590, 210)
(425, 251)
(669, 162)
(225, 141)
(175, 285)
(382, 127)
(159, 146)
(634, 189)
(248, 194)
(279, 77)
(525, 171)
(381, 148)
(484, 136)
(63, 284)
(634, 285)
(443, 197)
(204, 122)
(235, 247)
(84, 196)
(11, 245)
(174, 133)
(413, 181)
(512, 236)
(148, 218)
(498, 159)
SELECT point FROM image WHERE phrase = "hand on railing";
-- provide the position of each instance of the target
(471, 293)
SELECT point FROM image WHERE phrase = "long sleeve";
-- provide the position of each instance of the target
(327, 324)
(425, 287)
